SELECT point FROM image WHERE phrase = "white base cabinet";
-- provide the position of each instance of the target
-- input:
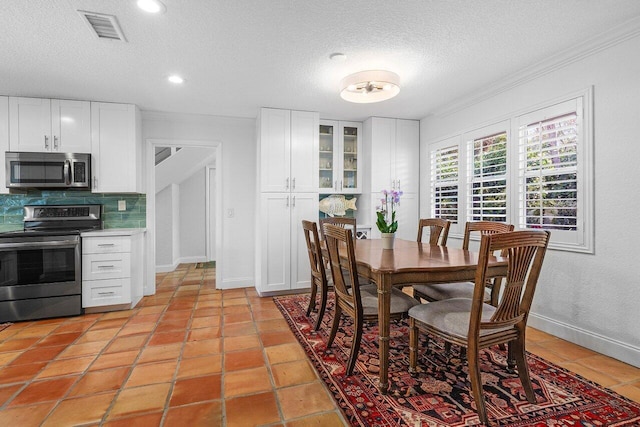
(112, 272)
(283, 257)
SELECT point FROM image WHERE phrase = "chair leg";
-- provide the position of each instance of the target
(511, 361)
(523, 368)
(334, 326)
(413, 345)
(476, 383)
(355, 345)
(312, 298)
(323, 306)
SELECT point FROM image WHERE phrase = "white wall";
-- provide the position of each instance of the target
(592, 300)
(238, 183)
(164, 223)
(192, 218)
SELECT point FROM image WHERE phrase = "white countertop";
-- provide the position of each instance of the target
(113, 232)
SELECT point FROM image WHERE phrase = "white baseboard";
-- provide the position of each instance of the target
(596, 342)
(239, 282)
(167, 268)
(192, 259)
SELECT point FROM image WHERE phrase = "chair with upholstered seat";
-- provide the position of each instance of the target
(440, 291)
(358, 302)
(474, 324)
(320, 282)
(438, 230)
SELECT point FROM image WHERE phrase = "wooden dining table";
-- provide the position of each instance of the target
(412, 262)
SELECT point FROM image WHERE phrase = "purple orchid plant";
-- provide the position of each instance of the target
(386, 212)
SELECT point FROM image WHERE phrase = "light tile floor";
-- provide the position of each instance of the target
(192, 355)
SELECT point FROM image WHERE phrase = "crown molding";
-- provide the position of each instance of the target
(561, 59)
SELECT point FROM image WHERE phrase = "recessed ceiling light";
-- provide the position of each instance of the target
(152, 6)
(175, 79)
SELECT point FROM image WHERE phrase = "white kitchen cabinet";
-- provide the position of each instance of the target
(339, 157)
(112, 273)
(116, 148)
(42, 125)
(283, 257)
(395, 154)
(4, 140)
(407, 215)
(288, 144)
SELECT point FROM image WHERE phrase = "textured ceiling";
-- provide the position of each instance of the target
(239, 55)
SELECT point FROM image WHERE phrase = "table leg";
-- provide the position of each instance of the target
(384, 309)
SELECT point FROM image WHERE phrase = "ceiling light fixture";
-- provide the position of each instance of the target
(152, 6)
(370, 86)
(175, 79)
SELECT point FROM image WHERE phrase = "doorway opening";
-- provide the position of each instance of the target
(183, 205)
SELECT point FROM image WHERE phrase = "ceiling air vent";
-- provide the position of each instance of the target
(103, 26)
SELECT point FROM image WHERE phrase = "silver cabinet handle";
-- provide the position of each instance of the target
(95, 182)
(293, 184)
(105, 244)
(287, 185)
(106, 293)
(46, 142)
(106, 266)
(294, 201)
(55, 142)
(340, 185)
(398, 185)
(335, 185)
(287, 201)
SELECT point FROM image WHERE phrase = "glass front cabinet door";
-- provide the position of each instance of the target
(340, 157)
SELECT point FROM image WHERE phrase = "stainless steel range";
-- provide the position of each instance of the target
(40, 266)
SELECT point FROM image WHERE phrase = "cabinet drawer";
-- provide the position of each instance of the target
(105, 245)
(106, 266)
(106, 292)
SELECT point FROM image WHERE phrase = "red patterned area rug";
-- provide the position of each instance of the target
(439, 395)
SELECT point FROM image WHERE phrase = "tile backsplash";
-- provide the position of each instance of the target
(134, 216)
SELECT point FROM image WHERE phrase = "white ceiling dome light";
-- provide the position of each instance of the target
(152, 6)
(370, 86)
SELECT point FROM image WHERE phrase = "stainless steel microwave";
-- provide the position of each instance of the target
(48, 170)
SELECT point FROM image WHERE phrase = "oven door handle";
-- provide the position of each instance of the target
(38, 245)
(67, 172)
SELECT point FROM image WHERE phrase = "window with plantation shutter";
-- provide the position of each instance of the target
(444, 182)
(487, 178)
(549, 173)
(555, 173)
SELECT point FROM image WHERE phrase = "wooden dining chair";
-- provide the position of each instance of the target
(438, 230)
(343, 222)
(358, 302)
(474, 324)
(320, 282)
(440, 291)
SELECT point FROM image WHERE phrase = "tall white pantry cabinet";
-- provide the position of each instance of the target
(393, 157)
(288, 183)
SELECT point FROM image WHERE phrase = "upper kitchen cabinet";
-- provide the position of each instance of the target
(339, 157)
(288, 150)
(116, 152)
(395, 154)
(49, 125)
(4, 140)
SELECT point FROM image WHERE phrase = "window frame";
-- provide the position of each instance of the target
(580, 102)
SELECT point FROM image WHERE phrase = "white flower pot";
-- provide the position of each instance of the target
(387, 240)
